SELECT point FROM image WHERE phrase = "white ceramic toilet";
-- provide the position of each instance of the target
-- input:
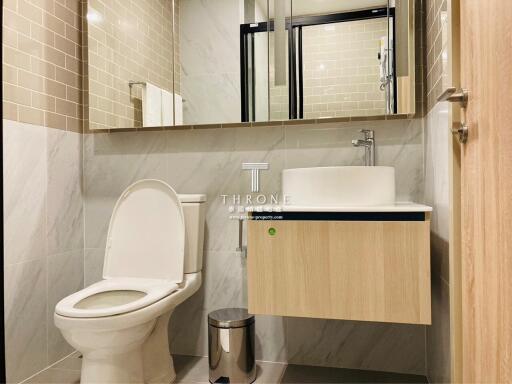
(153, 262)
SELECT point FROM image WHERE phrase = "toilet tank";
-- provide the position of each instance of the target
(194, 207)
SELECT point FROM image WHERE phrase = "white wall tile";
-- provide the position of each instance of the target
(64, 197)
(397, 143)
(438, 334)
(93, 265)
(43, 205)
(358, 345)
(24, 192)
(112, 162)
(25, 319)
(65, 276)
(210, 61)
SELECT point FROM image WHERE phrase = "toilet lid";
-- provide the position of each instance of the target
(146, 235)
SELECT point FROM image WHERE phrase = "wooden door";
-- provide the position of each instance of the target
(486, 191)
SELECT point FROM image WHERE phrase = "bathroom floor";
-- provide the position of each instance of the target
(194, 370)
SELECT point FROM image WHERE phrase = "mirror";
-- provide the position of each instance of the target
(130, 63)
(190, 62)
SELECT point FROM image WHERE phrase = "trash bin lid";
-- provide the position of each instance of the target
(230, 318)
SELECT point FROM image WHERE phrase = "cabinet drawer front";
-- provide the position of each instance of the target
(357, 270)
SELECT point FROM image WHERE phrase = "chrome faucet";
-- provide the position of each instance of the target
(369, 146)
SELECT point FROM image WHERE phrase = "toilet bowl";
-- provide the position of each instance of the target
(153, 262)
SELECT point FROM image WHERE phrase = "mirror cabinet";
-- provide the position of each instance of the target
(153, 63)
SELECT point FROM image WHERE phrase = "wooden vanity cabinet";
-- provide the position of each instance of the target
(341, 269)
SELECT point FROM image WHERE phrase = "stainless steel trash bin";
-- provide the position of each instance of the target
(231, 346)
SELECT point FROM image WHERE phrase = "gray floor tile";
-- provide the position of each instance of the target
(191, 369)
(71, 363)
(298, 374)
(56, 376)
(194, 370)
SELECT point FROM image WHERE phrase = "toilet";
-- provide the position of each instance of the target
(153, 261)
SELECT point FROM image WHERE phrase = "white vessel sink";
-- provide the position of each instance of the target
(339, 186)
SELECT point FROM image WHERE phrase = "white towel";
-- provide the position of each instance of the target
(167, 110)
(151, 106)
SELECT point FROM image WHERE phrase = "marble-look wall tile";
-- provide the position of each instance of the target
(25, 319)
(215, 47)
(358, 345)
(187, 327)
(24, 192)
(43, 205)
(65, 228)
(223, 287)
(201, 162)
(397, 143)
(93, 265)
(437, 194)
(223, 280)
(25, 286)
(214, 159)
(211, 98)
(111, 163)
(64, 198)
(271, 333)
(210, 60)
(254, 146)
(438, 334)
(210, 162)
(65, 276)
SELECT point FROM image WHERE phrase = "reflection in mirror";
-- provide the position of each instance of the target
(281, 60)
(344, 59)
(265, 64)
(130, 52)
(402, 31)
(208, 54)
(340, 67)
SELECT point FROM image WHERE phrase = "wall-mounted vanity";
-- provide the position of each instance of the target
(342, 249)
(250, 61)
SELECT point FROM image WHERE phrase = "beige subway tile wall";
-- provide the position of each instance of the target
(127, 40)
(437, 43)
(278, 101)
(177, 56)
(341, 69)
(278, 94)
(42, 63)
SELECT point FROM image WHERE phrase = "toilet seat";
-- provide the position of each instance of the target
(153, 290)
